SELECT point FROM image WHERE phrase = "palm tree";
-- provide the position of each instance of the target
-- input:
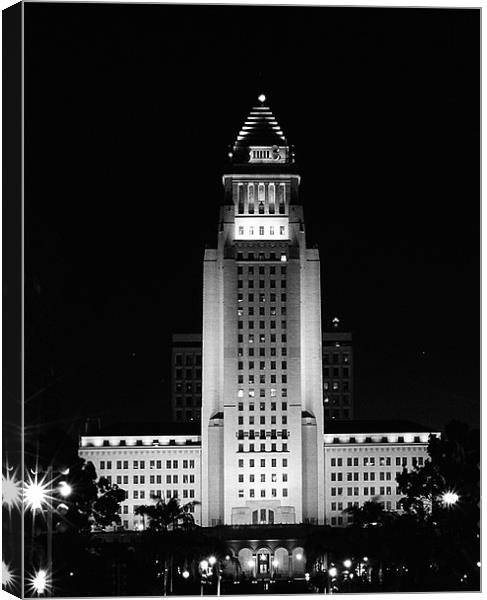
(168, 515)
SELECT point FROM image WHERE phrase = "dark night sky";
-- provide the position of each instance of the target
(129, 112)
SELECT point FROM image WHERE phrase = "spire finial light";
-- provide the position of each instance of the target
(261, 98)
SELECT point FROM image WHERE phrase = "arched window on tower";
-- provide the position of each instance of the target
(272, 198)
(240, 199)
(282, 199)
(251, 198)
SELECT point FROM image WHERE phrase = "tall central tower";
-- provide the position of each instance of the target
(262, 406)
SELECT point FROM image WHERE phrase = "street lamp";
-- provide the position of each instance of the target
(36, 494)
(10, 491)
(347, 563)
(332, 572)
(450, 498)
(185, 574)
(39, 582)
(212, 560)
(8, 577)
(65, 489)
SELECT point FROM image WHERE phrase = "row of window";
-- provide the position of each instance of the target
(262, 420)
(247, 193)
(140, 494)
(273, 493)
(188, 401)
(262, 364)
(273, 311)
(249, 270)
(262, 351)
(251, 338)
(370, 461)
(189, 360)
(335, 386)
(189, 388)
(262, 230)
(335, 372)
(152, 464)
(335, 358)
(383, 476)
(337, 400)
(262, 434)
(263, 448)
(154, 479)
(366, 491)
(263, 462)
(188, 374)
(273, 478)
(336, 414)
(190, 415)
(262, 391)
(265, 406)
(263, 283)
(262, 297)
(262, 324)
(262, 256)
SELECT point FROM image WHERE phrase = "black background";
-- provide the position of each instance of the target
(129, 111)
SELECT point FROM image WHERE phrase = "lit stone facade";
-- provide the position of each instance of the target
(147, 467)
(275, 447)
(261, 343)
(362, 461)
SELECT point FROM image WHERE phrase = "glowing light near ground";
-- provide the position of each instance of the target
(299, 556)
(185, 574)
(65, 489)
(39, 582)
(261, 98)
(8, 578)
(11, 490)
(347, 563)
(36, 494)
(332, 572)
(275, 563)
(204, 565)
(450, 498)
(212, 560)
(250, 563)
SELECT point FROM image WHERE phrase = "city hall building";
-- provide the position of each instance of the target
(264, 452)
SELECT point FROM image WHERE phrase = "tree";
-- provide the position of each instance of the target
(443, 498)
(106, 507)
(370, 514)
(168, 515)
